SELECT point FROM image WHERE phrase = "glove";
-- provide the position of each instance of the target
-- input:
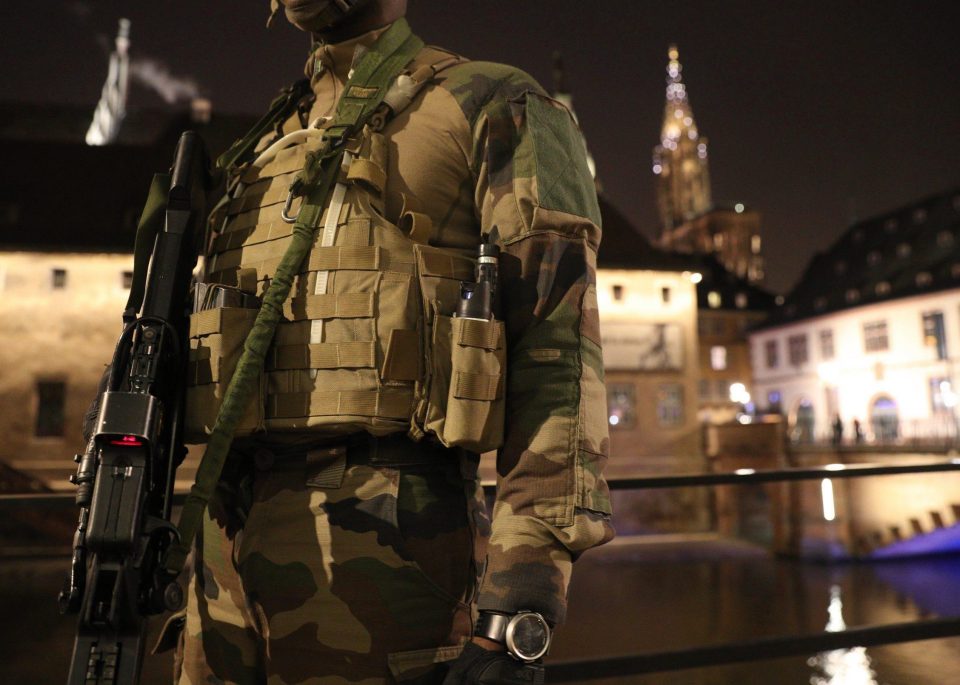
(479, 666)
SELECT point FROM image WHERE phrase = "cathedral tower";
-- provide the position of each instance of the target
(680, 160)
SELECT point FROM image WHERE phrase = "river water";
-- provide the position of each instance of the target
(633, 597)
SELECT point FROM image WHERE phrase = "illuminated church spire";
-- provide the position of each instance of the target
(680, 160)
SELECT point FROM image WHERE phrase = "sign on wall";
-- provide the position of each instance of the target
(642, 346)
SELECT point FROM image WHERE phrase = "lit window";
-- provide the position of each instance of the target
(621, 405)
(126, 279)
(943, 398)
(875, 336)
(740, 300)
(718, 241)
(934, 334)
(903, 250)
(820, 303)
(718, 358)
(772, 350)
(797, 349)
(852, 295)
(51, 401)
(923, 279)
(755, 244)
(919, 216)
(873, 257)
(826, 344)
(945, 239)
(882, 288)
(714, 300)
(59, 278)
(670, 404)
(618, 292)
(665, 295)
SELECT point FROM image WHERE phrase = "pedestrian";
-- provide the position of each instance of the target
(857, 431)
(837, 430)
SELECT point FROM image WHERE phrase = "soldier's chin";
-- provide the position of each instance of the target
(317, 15)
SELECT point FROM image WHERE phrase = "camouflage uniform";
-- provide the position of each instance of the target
(325, 562)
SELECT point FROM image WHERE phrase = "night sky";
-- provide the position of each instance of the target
(816, 112)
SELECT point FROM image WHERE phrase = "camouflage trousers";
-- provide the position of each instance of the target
(335, 566)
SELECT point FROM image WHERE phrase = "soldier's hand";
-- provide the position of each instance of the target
(479, 666)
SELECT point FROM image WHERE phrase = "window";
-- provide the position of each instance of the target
(934, 334)
(126, 279)
(713, 299)
(722, 389)
(704, 389)
(852, 295)
(618, 292)
(903, 250)
(59, 278)
(875, 336)
(718, 358)
(942, 396)
(882, 288)
(718, 241)
(621, 405)
(919, 216)
(797, 349)
(874, 257)
(665, 295)
(923, 279)
(755, 244)
(670, 404)
(774, 399)
(944, 239)
(772, 353)
(741, 300)
(826, 344)
(51, 399)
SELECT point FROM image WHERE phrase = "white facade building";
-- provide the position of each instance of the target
(871, 333)
(894, 366)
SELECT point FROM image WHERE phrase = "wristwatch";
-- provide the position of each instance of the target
(526, 634)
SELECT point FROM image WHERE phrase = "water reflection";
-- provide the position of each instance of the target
(841, 666)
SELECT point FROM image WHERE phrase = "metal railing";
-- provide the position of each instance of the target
(711, 655)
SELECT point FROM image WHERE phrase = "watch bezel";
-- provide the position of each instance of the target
(510, 633)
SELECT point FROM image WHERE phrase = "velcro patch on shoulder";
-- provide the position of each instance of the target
(563, 177)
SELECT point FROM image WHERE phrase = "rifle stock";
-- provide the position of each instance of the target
(125, 477)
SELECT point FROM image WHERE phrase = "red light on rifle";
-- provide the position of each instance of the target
(128, 441)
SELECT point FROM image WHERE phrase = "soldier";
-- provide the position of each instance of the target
(340, 550)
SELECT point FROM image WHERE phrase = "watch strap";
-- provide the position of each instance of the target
(492, 626)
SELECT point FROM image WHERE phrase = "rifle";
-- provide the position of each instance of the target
(125, 476)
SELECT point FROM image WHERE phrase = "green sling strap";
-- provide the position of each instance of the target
(150, 224)
(364, 92)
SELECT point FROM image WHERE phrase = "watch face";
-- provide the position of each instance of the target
(528, 636)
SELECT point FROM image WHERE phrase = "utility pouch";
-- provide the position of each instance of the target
(216, 343)
(475, 400)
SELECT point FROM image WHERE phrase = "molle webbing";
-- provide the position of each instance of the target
(363, 93)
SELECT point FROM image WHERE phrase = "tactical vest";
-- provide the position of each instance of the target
(369, 340)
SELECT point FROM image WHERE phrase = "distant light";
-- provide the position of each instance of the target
(614, 419)
(657, 168)
(745, 472)
(738, 208)
(835, 467)
(779, 300)
(826, 494)
(696, 277)
(745, 419)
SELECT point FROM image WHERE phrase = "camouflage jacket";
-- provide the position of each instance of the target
(483, 150)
